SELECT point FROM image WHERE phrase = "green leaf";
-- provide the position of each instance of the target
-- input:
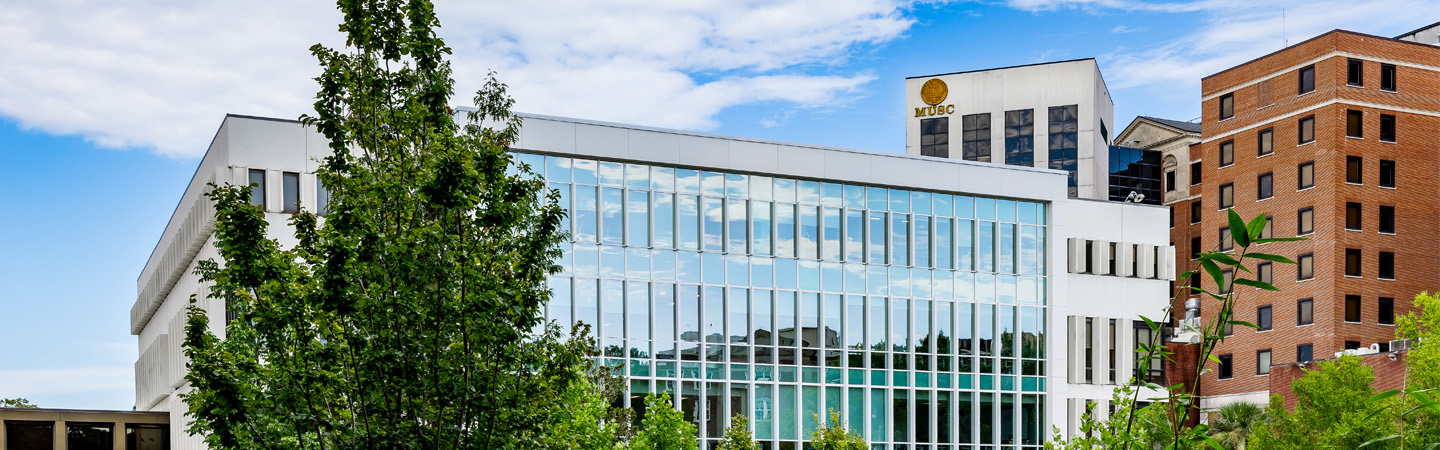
(1149, 323)
(1244, 324)
(1282, 239)
(1383, 439)
(1256, 284)
(1256, 226)
(1214, 271)
(1228, 260)
(1236, 226)
(1270, 257)
(1212, 443)
(1384, 395)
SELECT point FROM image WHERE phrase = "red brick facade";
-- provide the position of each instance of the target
(1266, 97)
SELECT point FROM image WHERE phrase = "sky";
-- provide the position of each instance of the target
(107, 107)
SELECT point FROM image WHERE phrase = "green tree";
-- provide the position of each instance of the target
(664, 427)
(1232, 424)
(737, 436)
(409, 316)
(835, 435)
(16, 403)
(1329, 412)
(594, 418)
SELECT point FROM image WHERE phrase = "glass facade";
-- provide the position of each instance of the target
(918, 316)
(1135, 170)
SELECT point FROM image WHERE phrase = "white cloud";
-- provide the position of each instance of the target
(161, 73)
(1125, 29)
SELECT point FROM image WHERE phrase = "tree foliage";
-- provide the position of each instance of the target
(1329, 411)
(409, 316)
(1232, 424)
(835, 435)
(737, 436)
(16, 403)
(664, 427)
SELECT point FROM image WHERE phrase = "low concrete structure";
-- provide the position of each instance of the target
(43, 429)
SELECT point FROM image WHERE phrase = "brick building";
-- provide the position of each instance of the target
(1333, 139)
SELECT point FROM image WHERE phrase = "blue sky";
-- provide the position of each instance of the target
(105, 109)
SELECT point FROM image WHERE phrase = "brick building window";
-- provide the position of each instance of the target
(1352, 308)
(1387, 219)
(1387, 77)
(1306, 175)
(1355, 72)
(1262, 362)
(1354, 170)
(1195, 212)
(1305, 221)
(1227, 370)
(1307, 130)
(1195, 173)
(1387, 128)
(1227, 243)
(1264, 273)
(1387, 266)
(1269, 230)
(1262, 318)
(1306, 79)
(1387, 173)
(1305, 267)
(1352, 345)
(1227, 195)
(1354, 124)
(1264, 186)
(1352, 216)
(1304, 352)
(1305, 312)
(1352, 262)
(1387, 311)
(1227, 153)
(1229, 277)
(1265, 142)
(1195, 248)
(1227, 106)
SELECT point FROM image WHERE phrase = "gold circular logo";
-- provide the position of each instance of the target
(934, 91)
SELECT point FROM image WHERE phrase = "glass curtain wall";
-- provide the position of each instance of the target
(918, 316)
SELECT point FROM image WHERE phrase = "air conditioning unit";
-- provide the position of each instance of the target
(1401, 345)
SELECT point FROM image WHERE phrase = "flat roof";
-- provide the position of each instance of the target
(1002, 68)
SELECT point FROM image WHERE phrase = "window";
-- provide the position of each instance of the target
(1227, 153)
(1387, 311)
(1354, 124)
(1387, 128)
(1264, 273)
(1354, 170)
(1305, 312)
(975, 137)
(1387, 174)
(1352, 262)
(1172, 217)
(1264, 188)
(1065, 142)
(322, 197)
(1305, 221)
(1266, 142)
(1387, 77)
(1352, 216)
(257, 187)
(1227, 243)
(1227, 370)
(935, 137)
(1355, 73)
(1387, 266)
(1227, 106)
(1307, 130)
(1262, 318)
(1352, 308)
(1387, 219)
(1262, 362)
(1229, 276)
(1195, 248)
(1019, 137)
(1195, 212)
(1305, 267)
(1269, 231)
(1304, 353)
(1307, 79)
(1352, 345)
(290, 184)
(1227, 195)
(1169, 181)
(1307, 175)
(1195, 173)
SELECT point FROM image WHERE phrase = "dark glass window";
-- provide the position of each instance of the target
(1387, 266)
(322, 198)
(1195, 211)
(1307, 79)
(1387, 311)
(1355, 73)
(1352, 262)
(1305, 221)
(1305, 267)
(1262, 362)
(1306, 175)
(1352, 345)
(1227, 195)
(257, 187)
(1169, 181)
(1387, 77)
(1020, 137)
(1305, 312)
(1387, 128)
(1264, 273)
(1195, 173)
(1307, 130)
(1354, 123)
(1387, 219)
(1262, 318)
(935, 137)
(290, 184)
(1195, 248)
(88, 436)
(1227, 106)
(1352, 308)
(1264, 186)
(1352, 216)
(1354, 169)
(1304, 353)
(1065, 141)
(1227, 153)
(147, 437)
(29, 435)
(1265, 142)
(1227, 370)
(1135, 170)
(1226, 242)
(1387, 173)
